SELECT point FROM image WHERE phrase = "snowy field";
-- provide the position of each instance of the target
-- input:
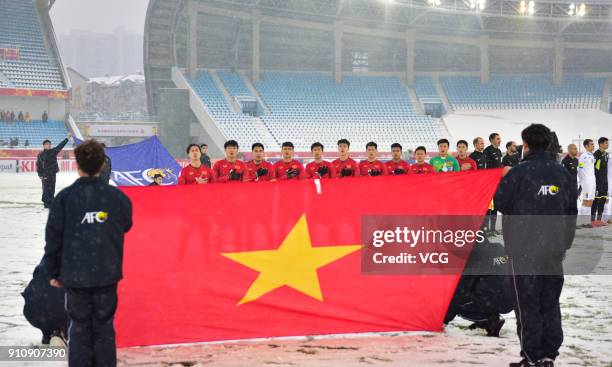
(586, 308)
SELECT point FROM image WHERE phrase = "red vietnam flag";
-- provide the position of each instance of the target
(225, 262)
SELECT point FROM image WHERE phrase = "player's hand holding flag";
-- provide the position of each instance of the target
(235, 176)
(261, 172)
(292, 173)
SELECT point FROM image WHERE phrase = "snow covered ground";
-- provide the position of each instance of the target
(586, 308)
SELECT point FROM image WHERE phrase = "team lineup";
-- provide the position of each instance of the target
(258, 169)
(589, 169)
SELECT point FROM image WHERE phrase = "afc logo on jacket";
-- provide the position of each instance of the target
(547, 190)
(95, 217)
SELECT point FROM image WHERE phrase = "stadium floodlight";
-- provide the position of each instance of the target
(531, 7)
(522, 7)
(434, 3)
(578, 11)
(477, 4)
(526, 8)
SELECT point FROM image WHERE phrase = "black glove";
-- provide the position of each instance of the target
(262, 172)
(292, 173)
(399, 171)
(346, 172)
(374, 172)
(322, 171)
(235, 176)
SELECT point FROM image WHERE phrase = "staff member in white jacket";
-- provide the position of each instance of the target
(586, 179)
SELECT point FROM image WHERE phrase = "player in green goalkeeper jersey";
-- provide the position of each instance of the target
(444, 162)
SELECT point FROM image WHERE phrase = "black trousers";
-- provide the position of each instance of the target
(91, 332)
(491, 219)
(538, 314)
(601, 195)
(48, 190)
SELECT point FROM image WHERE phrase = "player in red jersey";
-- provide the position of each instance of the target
(195, 172)
(259, 170)
(288, 168)
(319, 168)
(421, 166)
(372, 166)
(230, 169)
(465, 162)
(397, 166)
(345, 166)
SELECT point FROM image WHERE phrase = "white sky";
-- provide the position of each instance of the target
(101, 16)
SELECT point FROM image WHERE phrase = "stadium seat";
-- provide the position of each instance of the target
(234, 83)
(309, 107)
(34, 67)
(425, 89)
(523, 92)
(35, 132)
(240, 127)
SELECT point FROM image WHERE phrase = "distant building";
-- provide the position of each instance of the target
(111, 97)
(98, 54)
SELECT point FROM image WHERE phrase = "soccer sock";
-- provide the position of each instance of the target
(584, 214)
(608, 210)
(594, 210)
(600, 207)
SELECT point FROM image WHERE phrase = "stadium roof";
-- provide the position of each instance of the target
(299, 34)
(547, 17)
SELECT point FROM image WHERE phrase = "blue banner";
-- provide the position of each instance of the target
(137, 164)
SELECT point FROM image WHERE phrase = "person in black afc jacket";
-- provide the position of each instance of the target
(538, 201)
(83, 253)
(47, 168)
(483, 292)
(493, 159)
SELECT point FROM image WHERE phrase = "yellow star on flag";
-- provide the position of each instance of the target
(293, 264)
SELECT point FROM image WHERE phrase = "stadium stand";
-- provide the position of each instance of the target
(523, 92)
(34, 132)
(233, 125)
(234, 83)
(425, 89)
(309, 107)
(428, 96)
(32, 66)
